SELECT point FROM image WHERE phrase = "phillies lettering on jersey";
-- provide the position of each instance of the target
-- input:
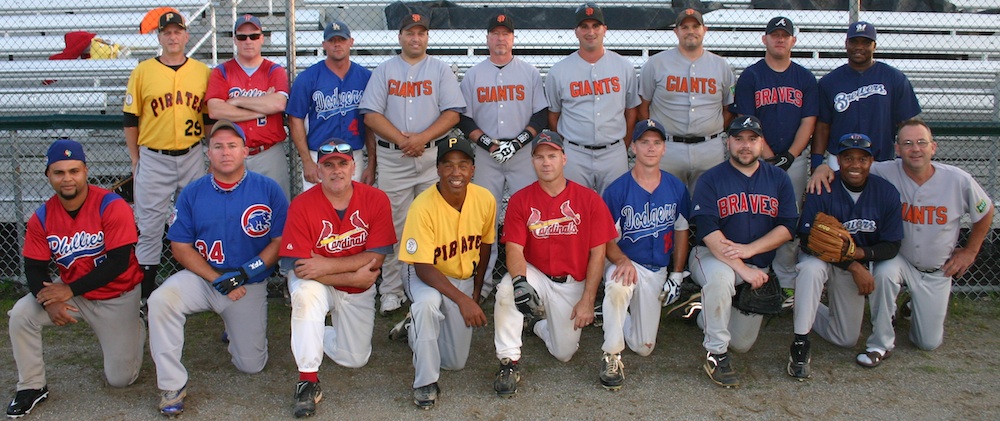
(842, 101)
(236, 92)
(594, 87)
(925, 215)
(702, 85)
(760, 204)
(648, 222)
(256, 220)
(337, 102)
(334, 242)
(778, 95)
(176, 99)
(65, 250)
(567, 225)
(447, 251)
(486, 94)
(410, 89)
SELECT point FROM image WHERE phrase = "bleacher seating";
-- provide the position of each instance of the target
(828, 20)
(42, 46)
(11, 7)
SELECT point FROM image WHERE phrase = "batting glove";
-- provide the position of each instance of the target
(486, 142)
(506, 151)
(782, 160)
(229, 281)
(672, 287)
(526, 299)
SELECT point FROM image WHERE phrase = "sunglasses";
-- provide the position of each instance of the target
(854, 142)
(337, 147)
(243, 37)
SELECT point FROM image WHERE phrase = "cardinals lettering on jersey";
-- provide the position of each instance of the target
(339, 242)
(568, 224)
(486, 94)
(594, 87)
(336, 103)
(447, 251)
(701, 85)
(178, 99)
(753, 203)
(778, 95)
(925, 215)
(410, 89)
(65, 250)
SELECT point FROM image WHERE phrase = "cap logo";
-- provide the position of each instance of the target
(415, 17)
(452, 141)
(781, 23)
(170, 16)
(544, 137)
(860, 27)
(68, 153)
(336, 27)
(748, 122)
(247, 16)
(589, 11)
(689, 12)
(501, 18)
(650, 123)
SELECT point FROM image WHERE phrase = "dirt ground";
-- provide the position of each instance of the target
(957, 381)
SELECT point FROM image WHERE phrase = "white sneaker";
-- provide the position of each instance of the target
(391, 302)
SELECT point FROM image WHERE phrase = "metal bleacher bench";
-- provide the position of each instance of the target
(100, 23)
(94, 71)
(11, 7)
(508, 3)
(828, 20)
(52, 100)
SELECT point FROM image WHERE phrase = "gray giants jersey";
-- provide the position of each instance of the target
(687, 97)
(412, 97)
(932, 213)
(592, 97)
(501, 100)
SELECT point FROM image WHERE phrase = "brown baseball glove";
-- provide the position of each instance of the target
(829, 241)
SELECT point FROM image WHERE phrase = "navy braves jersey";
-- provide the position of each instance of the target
(869, 102)
(645, 220)
(230, 228)
(744, 208)
(874, 218)
(779, 99)
(329, 104)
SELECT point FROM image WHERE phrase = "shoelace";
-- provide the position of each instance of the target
(612, 364)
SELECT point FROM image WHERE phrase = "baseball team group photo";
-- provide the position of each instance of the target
(471, 213)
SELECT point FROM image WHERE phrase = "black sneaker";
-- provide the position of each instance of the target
(426, 396)
(612, 371)
(307, 395)
(720, 371)
(400, 331)
(798, 360)
(599, 314)
(507, 378)
(25, 400)
(529, 324)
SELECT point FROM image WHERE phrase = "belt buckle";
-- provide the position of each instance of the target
(559, 279)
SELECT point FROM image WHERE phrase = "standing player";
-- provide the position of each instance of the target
(743, 210)
(506, 108)
(90, 234)
(555, 232)
(411, 102)
(163, 131)
(336, 238)
(449, 232)
(868, 209)
(592, 96)
(226, 235)
(252, 91)
(650, 208)
(325, 99)
(688, 89)
(862, 96)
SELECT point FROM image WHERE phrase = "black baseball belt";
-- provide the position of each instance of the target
(172, 152)
(692, 139)
(394, 146)
(593, 147)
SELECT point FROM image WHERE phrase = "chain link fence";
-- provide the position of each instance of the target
(73, 58)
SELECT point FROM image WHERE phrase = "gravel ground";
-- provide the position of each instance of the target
(953, 382)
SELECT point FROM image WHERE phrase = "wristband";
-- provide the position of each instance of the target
(253, 267)
(517, 279)
(523, 137)
(486, 142)
(816, 160)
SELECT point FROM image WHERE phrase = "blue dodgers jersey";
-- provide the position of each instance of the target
(744, 208)
(329, 104)
(876, 217)
(230, 228)
(646, 220)
(779, 100)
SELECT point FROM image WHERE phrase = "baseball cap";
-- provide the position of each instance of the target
(457, 143)
(747, 122)
(547, 137)
(861, 29)
(689, 13)
(336, 29)
(855, 141)
(171, 18)
(781, 23)
(500, 20)
(412, 20)
(334, 148)
(646, 125)
(247, 18)
(228, 125)
(589, 10)
(65, 150)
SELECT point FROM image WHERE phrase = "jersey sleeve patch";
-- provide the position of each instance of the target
(411, 246)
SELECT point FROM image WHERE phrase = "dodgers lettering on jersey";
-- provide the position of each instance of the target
(647, 222)
(691, 84)
(410, 89)
(594, 87)
(175, 99)
(337, 103)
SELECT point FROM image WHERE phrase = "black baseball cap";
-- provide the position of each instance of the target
(747, 122)
(171, 18)
(500, 20)
(414, 19)
(589, 10)
(547, 137)
(456, 143)
(689, 13)
(780, 23)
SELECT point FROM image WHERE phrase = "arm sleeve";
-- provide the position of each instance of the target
(466, 124)
(218, 86)
(376, 93)
(810, 92)
(115, 264)
(882, 251)
(539, 120)
(36, 271)
(130, 120)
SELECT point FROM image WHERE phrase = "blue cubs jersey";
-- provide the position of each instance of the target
(779, 99)
(646, 220)
(329, 104)
(876, 216)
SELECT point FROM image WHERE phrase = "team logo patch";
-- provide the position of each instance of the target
(589, 11)
(256, 220)
(411, 246)
(334, 242)
(172, 218)
(128, 99)
(981, 206)
(415, 17)
(568, 224)
(501, 18)
(781, 23)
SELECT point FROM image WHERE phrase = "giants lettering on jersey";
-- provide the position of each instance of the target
(781, 94)
(925, 215)
(334, 242)
(648, 222)
(336, 103)
(178, 99)
(843, 100)
(447, 251)
(486, 94)
(65, 250)
(700, 85)
(567, 225)
(256, 220)
(753, 203)
(410, 89)
(855, 226)
(595, 87)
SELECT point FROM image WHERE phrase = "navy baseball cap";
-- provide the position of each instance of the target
(780, 23)
(689, 13)
(747, 122)
(645, 125)
(336, 29)
(247, 18)
(171, 18)
(65, 150)
(547, 137)
(500, 20)
(456, 143)
(228, 125)
(334, 148)
(861, 29)
(414, 19)
(589, 10)
(855, 141)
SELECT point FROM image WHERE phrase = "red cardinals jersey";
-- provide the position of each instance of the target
(313, 225)
(558, 232)
(228, 80)
(78, 245)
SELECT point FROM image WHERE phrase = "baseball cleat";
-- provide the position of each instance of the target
(612, 371)
(789, 294)
(507, 378)
(172, 402)
(391, 303)
(689, 307)
(872, 358)
(307, 395)
(400, 331)
(798, 360)
(426, 396)
(599, 314)
(721, 372)
(26, 400)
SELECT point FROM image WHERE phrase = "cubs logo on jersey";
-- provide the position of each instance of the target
(334, 242)
(65, 250)
(256, 220)
(568, 224)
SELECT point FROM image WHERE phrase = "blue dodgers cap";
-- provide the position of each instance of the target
(65, 150)
(228, 125)
(861, 29)
(747, 122)
(645, 125)
(247, 18)
(336, 29)
(855, 141)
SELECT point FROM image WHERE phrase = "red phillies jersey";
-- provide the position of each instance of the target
(313, 225)
(229, 80)
(558, 232)
(79, 244)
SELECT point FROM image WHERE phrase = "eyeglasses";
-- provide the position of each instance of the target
(335, 147)
(243, 37)
(922, 143)
(855, 141)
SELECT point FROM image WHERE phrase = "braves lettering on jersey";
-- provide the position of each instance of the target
(406, 94)
(557, 233)
(229, 80)
(647, 220)
(592, 97)
(501, 100)
(869, 102)
(870, 219)
(78, 244)
(687, 97)
(168, 103)
(230, 228)
(744, 208)
(329, 104)
(438, 234)
(779, 99)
